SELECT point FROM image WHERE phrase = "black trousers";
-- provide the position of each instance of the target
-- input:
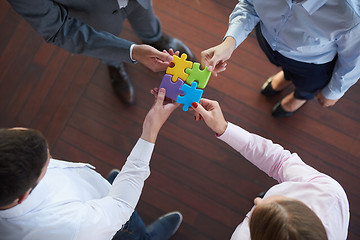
(308, 78)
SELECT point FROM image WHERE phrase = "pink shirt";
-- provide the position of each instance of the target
(319, 192)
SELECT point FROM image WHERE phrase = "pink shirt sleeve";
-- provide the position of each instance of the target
(296, 180)
(271, 158)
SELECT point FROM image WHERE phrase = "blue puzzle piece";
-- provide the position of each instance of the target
(191, 95)
(172, 88)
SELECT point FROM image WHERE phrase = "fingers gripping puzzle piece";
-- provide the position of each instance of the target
(195, 74)
(172, 88)
(178, 71)
(191, 95)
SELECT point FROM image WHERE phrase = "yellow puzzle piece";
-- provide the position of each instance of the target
(178, 71)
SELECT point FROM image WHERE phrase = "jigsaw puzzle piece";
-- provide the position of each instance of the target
(195, 74)
(172, 88)
(178, 71)
(191, 95)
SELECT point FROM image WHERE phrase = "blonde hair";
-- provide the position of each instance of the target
(285, 220)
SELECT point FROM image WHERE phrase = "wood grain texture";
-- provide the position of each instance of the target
(70, 99)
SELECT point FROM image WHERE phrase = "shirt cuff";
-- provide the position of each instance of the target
(131, 50)
(326, 91)
(142, 150)
(235, 136)
(237, 32)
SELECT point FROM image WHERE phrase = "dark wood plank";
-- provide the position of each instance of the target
(70, 99)
(7, 27)
(22, 91)
(348, 108)
(353, 92)
(3, 10)
(11, 51)
(17, 71)
(68, 152)
(44, 54)
(149, 206)
(40, 93)
(56, 93)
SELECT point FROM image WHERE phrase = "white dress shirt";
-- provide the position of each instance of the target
(311, 31)
(73, 201)
(122, 3)
(319, 192)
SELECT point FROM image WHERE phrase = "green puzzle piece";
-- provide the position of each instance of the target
(195, 74)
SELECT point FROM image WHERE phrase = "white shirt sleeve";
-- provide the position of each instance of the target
(102, 218)
(131, 52)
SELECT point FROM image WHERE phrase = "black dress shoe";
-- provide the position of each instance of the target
(122, 84)
(267, 89)
(166, 42)
(261, 195)
(165, 226)
(278, 111)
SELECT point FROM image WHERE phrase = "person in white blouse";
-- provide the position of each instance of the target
(44, 198)
(306, 204)
(315, 42)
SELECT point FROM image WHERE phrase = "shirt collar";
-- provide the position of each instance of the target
(312, 6)
(144, 3)
(40, 192)
(122, 3)
(36, 197)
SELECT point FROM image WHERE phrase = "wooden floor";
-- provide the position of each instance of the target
(70, 99)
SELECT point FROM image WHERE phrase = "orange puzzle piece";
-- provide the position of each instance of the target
(178, 71)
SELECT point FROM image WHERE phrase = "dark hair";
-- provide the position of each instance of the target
(23, 154)
(285, 220)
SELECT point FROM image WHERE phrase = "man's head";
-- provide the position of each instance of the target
(282, 218)
(23, 160)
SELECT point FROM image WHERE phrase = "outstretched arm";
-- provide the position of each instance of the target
(215, 58)
(271, 158)
(157, 115)
(241, 22)
(52, 21)
(103, 217)
(153, 58)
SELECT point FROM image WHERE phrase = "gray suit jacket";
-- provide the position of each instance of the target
(87, 27)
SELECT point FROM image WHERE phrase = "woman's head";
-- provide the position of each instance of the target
(282, 218)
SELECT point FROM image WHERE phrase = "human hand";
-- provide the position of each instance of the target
(211, 112)
(171, 52)
(325, 102)
(152, 58)
(215, 58)
(158, 114)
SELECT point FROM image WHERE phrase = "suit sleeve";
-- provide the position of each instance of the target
(52, 21)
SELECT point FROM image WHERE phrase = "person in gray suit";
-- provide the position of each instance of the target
(91, 28)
